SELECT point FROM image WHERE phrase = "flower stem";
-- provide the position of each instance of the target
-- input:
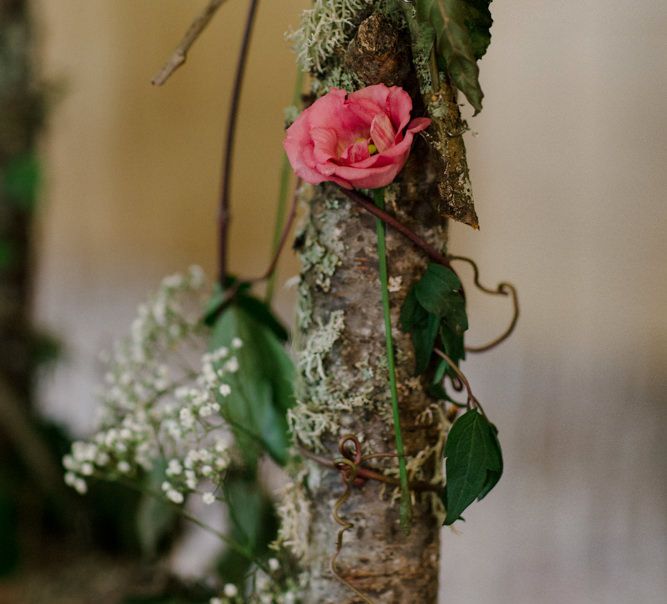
(405, 508)
(283, 191)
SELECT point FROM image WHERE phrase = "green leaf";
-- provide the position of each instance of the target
(155, 516)
(474, 462)
(261, 389)
(253, 523)
(452, 343)
(438, 289)
(462, 35)
(423, 327)
(22, 179)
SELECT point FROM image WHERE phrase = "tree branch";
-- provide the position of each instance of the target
(180, 55)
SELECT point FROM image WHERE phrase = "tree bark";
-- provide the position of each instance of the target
(345, 391)
(341, 358)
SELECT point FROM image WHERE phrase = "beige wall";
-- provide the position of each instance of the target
(569, 174)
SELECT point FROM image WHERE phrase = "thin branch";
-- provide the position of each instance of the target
(180, 55)
(224, 216)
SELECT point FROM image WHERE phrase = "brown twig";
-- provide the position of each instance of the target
(363, 473)
(224, 215)
(180, 55)
(283, 237)
(367, 204)
(503, 289)
(472, 400)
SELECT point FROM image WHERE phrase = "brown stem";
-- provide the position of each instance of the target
(180, 55)
(472, 401)
(283, 237)
(367, 203)
(503, 289)
(224, 214)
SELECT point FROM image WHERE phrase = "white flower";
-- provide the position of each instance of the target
(237, 343)
(232, 365)
(80, 486)
(230, 590)
(208, 498)
(274, 565)
(215, 601)
(225, 390)
(174, 468)
(124, 467)
(175, 496)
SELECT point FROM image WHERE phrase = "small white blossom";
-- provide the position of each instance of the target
(274, 565)
(208, 498)
(174, 468)
(237, 343)
(175, 496)
(230, 590)
(225, 390)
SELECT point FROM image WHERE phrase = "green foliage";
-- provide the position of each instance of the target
(474, 462)
(254, 524)
(7, 254)
(21, 180)
(262, 388)
(435, 307)
(155, 516)
(462, 35)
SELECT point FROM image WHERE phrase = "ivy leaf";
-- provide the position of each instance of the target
(261, 389)
(462, 35)
(423, 327)
(474, 462)
(438, 289)
(435, 304)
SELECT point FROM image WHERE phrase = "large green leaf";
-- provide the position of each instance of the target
(155, 515)
(462, 35)
(261, 389)
(253, 524)
(474, 462)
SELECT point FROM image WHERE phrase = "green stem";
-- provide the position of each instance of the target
(231, 543)
(283, 192)
(406, 508)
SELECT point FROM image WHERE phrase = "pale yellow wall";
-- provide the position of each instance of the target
(569, 173)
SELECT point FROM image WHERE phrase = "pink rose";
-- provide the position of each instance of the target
(356, 140)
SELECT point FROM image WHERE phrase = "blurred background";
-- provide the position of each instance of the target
(568, 164)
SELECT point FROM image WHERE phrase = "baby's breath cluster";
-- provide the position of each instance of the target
(161, 400)
(272, 587)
